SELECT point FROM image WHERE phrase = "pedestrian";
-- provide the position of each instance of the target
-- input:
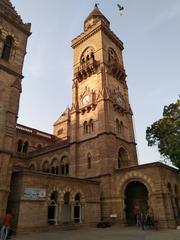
(143, 220)
(6, 225)
(138, 219)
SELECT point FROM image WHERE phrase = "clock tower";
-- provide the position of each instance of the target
(101, 117)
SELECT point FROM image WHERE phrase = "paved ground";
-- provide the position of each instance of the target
(113, 233)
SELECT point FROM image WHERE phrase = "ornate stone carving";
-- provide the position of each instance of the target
(87, 100)
(86, 69)
(117, 71)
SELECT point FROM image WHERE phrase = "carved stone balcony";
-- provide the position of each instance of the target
(117, 71)
(88, 108)
(86, 69)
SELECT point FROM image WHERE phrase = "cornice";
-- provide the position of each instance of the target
(21, 26)
(99, 26)
(100, 134)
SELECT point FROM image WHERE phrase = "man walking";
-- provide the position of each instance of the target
(7, 222)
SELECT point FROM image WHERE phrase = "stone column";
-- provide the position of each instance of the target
(59, 217)
(72, 212)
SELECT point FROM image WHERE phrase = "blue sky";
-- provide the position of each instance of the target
(150, 31)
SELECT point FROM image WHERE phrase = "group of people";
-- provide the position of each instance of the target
(6, 226)
(145, 219)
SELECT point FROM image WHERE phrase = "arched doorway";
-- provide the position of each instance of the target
(122, 158)
(136, 200)
(52, 208)
(77, 208)
(66, 208)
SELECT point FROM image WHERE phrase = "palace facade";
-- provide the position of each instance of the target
(86, 171)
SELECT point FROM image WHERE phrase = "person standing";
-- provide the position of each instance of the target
(7, 222)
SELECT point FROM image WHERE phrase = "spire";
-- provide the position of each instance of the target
(9, 12)
(94, 17)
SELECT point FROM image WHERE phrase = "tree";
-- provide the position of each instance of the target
(165, 133)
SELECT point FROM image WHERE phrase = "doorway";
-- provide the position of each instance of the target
(52, 208)
(77, 209)
(136, 200)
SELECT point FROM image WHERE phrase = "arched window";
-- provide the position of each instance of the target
(77, 208)
(122, 158)
(54, 167)
(64, 168)
(19, 145)
(87, 55)
(7, 48)
(39, 146)
(91, 126)
(45, 167)
(119, 126)
(85, 127)
(112, 56)
(25, 147)
(32, 167)
(52, 208)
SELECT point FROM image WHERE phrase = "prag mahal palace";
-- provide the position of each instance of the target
(86, 171)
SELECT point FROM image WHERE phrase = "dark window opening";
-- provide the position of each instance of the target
(19, 146)
(39, 146)
(25, 147)
(7, 49)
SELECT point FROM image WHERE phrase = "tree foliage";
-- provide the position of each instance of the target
(165, 133)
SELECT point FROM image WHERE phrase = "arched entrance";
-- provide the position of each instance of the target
(136, 200)
(77, 208)
(52, 208)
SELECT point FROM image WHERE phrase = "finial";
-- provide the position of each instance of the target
(96, 5)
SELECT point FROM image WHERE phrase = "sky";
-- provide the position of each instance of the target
(150, 31)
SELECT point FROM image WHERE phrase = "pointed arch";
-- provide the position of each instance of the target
(7, 48)
(112, 56)
(91, 126)
(64, 166)
(122, 158)
(19, 145)
(54, 166)
(25, 147)
(32, 167)
(46, 167)
(87, 54)
(85, 127)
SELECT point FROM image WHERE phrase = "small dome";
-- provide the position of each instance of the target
(94, 17)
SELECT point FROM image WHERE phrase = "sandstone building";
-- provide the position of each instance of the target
(87, 170)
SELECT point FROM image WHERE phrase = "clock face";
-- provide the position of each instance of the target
(85, 100)
(119, 100)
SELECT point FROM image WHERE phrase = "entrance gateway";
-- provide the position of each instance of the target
(136, 200)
